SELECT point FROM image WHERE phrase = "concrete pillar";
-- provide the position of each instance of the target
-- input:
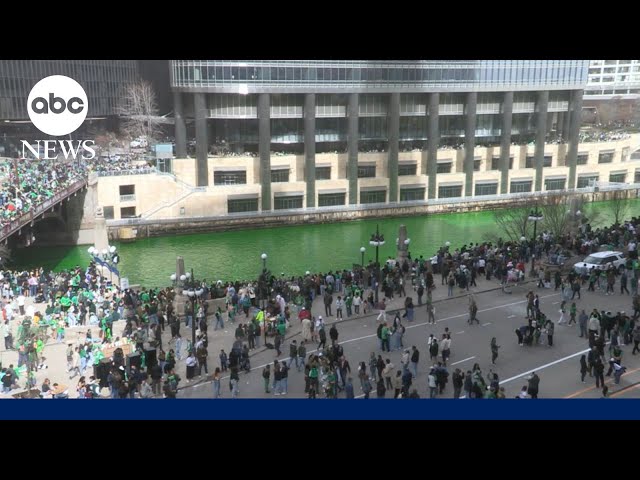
(541, 134)
(430, 168)
(505, 141)
(352, 141)
(575, 115)
(469, 142)
(202, 141)
(264, 148)
(180, 128)
(310, 147)
(560, 125)
(394, 135)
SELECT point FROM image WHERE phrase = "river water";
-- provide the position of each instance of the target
(291, 250)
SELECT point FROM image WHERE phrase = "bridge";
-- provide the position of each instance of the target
(38, 211)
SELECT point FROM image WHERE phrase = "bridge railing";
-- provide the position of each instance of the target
(37, 210)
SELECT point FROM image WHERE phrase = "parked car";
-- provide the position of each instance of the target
(602, 260)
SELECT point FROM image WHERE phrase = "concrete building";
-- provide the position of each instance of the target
(377, 131)
(612, 93)
(102, 80)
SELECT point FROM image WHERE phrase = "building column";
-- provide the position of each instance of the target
(310, 147)
(394, 135)
(352, 140)
(433, 139)
(505, 141)
(560, 125)
(541, 135)
(469, 141)
(202, 141)
(264, 148)
(575, 116)
(180, 129)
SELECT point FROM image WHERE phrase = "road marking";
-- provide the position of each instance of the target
(461, 361)
(555, 303)
(461, 331)
(485, 324)
(588, 389)
(410, 326)
(511, 316)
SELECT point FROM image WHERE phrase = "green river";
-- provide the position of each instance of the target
(291, 250)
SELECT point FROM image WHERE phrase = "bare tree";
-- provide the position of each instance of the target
(140, 111)
(618, 206)
(557, 215)
(512, 223)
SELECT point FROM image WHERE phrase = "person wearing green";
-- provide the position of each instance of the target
(60, 331)
(384, 335)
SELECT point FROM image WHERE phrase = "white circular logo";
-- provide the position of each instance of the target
(57, 105)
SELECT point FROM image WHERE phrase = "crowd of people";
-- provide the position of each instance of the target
(81, 298)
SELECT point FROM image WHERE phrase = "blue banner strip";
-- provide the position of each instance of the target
(303, 409)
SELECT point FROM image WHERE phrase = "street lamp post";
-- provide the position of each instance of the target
(263, 294)
(193, 295)
(535, 216)
(362, 250)
(377, 240)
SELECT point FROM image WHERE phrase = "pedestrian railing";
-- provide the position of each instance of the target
(39, 209)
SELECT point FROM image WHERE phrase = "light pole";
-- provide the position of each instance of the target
(193, 294)
(108, 257)
(263, 294)
(362, 250)
(377, 240)
(535, 216)
(173, 277)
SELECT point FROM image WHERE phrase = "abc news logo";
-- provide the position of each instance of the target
(57, 106)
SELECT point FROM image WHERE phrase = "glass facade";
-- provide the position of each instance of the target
(605, 157)
(331, 199)
(102, 80)
(366, 171)
(444, 167)
(287, 203)
(487, 75)
(412, 194)
(450, 191)
(555, 183)
(407, 169)
(521, 186)
(323, 173)
(486, 189)
(585, 180)
(235, 177)
(242, 205)
(618, 177)
(582, 159)
(280, 175)
(373, 196)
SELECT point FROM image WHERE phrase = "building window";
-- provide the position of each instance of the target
(287, 203)
(618, 177)
(510, 163)
(476, 165)
(235, 177)
(331, 199)
(522, 186)
(127, 193)
(554, 183)
(128, 212)
(323, 173)
(366, 171)
(450, 191)
(548, 160)
(108, 213)
(582, 158)
(280, 175)
(407, 169)
(636, 178)
(164, 165)
(242, 205)
(486, 189)
(411, 194)
(584, 182)
(373, 196)
(528, 163)
(444, 167)
(495, 163)
(605, 157)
